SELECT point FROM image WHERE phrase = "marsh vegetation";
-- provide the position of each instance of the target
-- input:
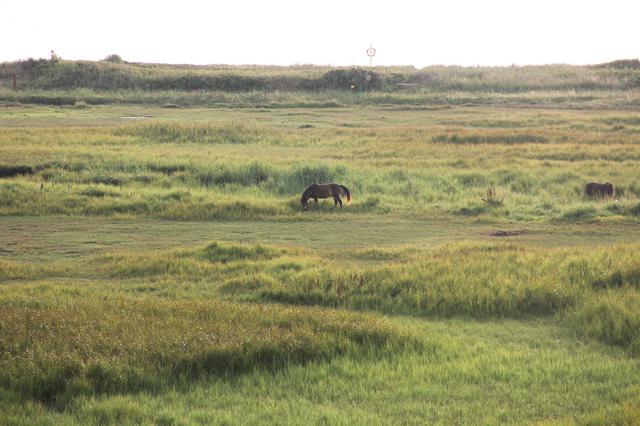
(156, 266)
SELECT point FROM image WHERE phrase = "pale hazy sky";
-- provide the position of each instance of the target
(324, 32)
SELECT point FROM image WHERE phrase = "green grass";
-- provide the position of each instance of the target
(52, 353)
(156, 267)
(424, 100)
(481, 281)
(613, 318)
(439, 166)
(467, 375)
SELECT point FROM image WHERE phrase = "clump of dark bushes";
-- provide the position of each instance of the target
(355, 79)
(11, 171)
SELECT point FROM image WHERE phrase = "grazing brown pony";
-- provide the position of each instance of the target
(601, 189)
(325, 190)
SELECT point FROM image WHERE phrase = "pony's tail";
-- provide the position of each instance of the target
(347, 193)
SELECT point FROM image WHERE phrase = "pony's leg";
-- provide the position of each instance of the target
(337, 200)
(316, 200)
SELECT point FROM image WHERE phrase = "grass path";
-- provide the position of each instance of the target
(38, 238)
(293, 118)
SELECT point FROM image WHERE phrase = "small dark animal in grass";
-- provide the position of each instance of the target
(599, 189)
(325, 190)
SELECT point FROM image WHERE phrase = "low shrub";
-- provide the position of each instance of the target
(217, 252)
(579, 213)
(7, 171)
(612, 318)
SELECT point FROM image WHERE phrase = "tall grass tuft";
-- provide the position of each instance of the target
(217, 252)
(159, 132)
(612, 317)
(52, 353)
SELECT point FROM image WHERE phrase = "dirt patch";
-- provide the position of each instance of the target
(502, 233)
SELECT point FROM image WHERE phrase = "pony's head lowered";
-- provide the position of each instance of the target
(306, 195)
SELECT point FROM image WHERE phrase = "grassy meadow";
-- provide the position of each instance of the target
(156, 267)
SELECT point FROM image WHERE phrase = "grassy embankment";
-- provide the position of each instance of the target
(59, 82)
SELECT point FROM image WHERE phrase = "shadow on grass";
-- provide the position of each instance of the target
(54, 354)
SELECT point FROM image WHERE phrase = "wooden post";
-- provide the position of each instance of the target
(14, 81)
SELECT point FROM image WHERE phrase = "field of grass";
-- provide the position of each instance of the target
(156, 267)
(206, 164)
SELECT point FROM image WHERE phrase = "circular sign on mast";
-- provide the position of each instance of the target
(371, 52)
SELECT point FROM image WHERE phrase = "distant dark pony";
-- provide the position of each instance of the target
(599, 189)
(325, 190)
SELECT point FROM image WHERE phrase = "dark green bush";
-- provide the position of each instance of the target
(250, 174)
(7, 171)
(354, 79)
(116, 59)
